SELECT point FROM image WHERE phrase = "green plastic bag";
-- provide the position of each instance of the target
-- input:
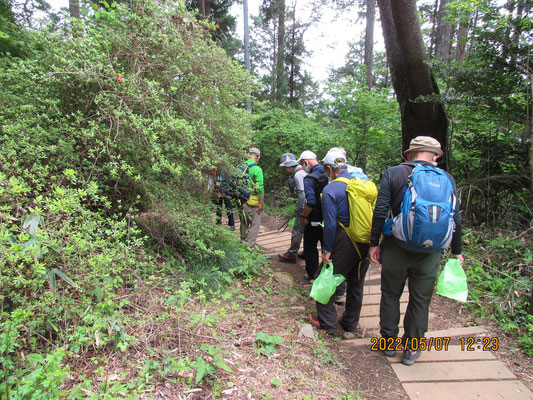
(325, 285)
(452, 281)
(291, 222)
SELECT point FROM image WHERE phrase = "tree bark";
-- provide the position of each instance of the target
(369, 40)
(432, 37)
(460, 47)
(444, 33)
(74, 8)
(410, 74)
(281, 50)
(293, 53)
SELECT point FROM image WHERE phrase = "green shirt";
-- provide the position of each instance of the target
(256, 176)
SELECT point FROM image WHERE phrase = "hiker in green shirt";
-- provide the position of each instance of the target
(254, 206)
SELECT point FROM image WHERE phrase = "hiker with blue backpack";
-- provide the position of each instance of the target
(347, 205)
(424, 222)
(252, 204)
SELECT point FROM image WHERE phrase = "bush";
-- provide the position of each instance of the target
(108, 129)
(499, 281)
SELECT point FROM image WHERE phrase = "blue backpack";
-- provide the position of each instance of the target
(425, 222)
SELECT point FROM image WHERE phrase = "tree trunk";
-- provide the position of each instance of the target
(517, 32)
(281, 50)
(74, 8)
(444, 33)
(529, 125)
(410, 74)
(432, 37)
(460, 46)
(369, 40)
(293, 53)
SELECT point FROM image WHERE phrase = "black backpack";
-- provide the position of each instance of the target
(239, 184)
(321, 182)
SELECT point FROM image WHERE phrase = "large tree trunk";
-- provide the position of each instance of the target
(369, 40)
(444, 33)
(74, 8)
(410, 74)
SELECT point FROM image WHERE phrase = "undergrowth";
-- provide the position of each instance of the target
(500, 274)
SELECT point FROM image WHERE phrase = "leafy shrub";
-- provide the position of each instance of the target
(499, 281)
(108, 128)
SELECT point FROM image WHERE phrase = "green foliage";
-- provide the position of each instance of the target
(279, 131)
(369, 124)
(205, 368)
(325, 355)
(266, 345)
(499, 281)
(108, 128)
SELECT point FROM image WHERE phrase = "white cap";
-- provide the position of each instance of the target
(338, 150)
(335, 159)
(307, 155)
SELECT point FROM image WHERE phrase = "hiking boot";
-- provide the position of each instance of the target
(410, 356)
(301, 256)
(288, 258)
(313, 320)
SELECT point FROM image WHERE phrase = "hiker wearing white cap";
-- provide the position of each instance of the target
(349, 257)
(314, 182)
(296, 186)
(423, 202)
(249, 229)
(354, 171)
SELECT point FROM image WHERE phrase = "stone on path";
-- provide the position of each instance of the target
(307, 331)
(284, 278)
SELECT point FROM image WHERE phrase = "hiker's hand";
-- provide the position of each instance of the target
(305, 220)
(460, 258)
(326, 257)
(374, 254)
(260, 208)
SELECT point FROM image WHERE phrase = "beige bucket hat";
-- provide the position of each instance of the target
(425, 143)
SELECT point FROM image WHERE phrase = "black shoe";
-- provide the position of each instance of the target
(308, 278)
(389, 353)
(410, 356)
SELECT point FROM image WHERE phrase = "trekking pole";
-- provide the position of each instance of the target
(285, 224)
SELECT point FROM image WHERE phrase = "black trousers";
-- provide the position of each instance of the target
(398, 265)
(229, 210)
(346, 261)
(312, 235)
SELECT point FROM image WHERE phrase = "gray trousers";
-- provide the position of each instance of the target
(250, 228)
(296, 237)
(398, 264)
